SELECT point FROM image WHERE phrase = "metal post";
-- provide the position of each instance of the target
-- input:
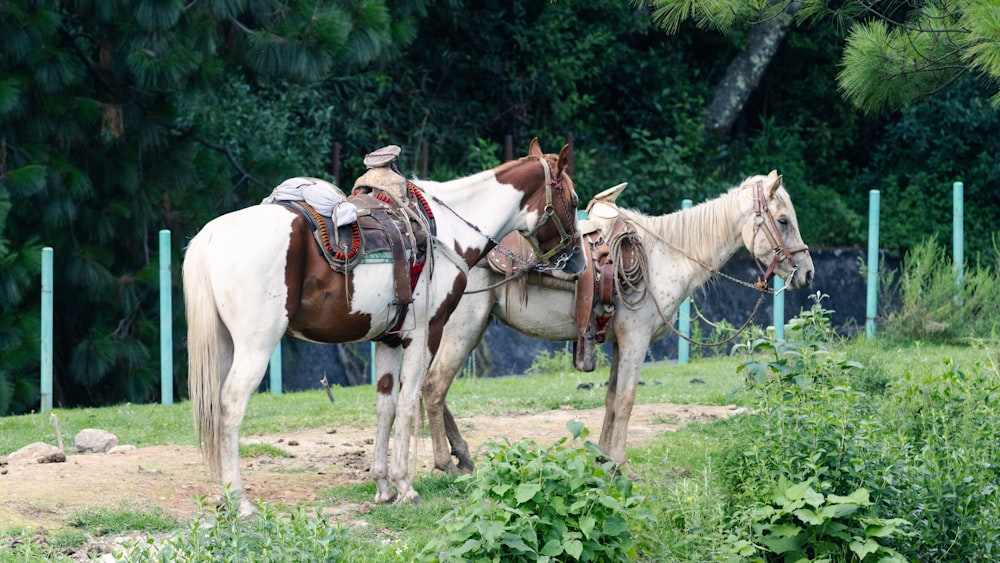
(684, 318)
(958, 230)
(46, 384)
(872, 301)
(166, 322)
(372, 370)
(779, 308)
(275, 370)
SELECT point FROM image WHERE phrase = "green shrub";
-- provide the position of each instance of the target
(925, 447)
(942, 459)
(529, 503)
(936, 306)
(802, 356)
(804, 525)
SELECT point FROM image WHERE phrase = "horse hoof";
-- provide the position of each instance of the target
(448, 469)
(410, 498)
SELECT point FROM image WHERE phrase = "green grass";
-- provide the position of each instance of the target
(103, 521)
(670, 468)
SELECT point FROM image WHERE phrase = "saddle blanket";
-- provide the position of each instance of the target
(323, 196)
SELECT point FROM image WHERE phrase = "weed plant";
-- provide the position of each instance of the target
(921, 451)
(938, 304)
(219, 534)
(531, 503)
(20, 544)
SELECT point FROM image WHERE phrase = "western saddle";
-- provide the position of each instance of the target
(385, 220)
(610, 247)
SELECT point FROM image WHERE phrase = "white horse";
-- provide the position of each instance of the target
(252, 275)
(681, 251)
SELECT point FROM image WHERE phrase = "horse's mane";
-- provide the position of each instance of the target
(696, 230)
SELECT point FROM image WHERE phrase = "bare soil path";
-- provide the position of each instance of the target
(169, 477)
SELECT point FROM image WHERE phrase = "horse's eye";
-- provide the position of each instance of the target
(783, 221)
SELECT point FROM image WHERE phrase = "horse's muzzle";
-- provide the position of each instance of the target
(573, 268)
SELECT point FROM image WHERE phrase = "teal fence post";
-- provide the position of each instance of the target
(46, 359)
(779, 308)
(371, 352)
(872, 300)
(166, 322)
(684, 318)
(275, 370)
(958, 230)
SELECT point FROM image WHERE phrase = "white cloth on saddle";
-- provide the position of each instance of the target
(323, 196)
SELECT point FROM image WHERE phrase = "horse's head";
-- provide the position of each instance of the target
(552, 227)
(772, 236)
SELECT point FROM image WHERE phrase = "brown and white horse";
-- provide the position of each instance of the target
(681, 251)
(255, 274)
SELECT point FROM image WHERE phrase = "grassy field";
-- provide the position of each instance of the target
(673, 460)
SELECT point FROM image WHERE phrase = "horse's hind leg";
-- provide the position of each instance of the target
(459, 447)
(462, 332)
(245, 375)
(386, 395)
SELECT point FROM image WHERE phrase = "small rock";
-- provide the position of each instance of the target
(698, 381)
(123, 449)
(57, 457)
(94, 440)
(585, 386)
(293, 442)
(33, 451)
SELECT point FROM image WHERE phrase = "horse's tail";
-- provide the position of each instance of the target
(206, 338)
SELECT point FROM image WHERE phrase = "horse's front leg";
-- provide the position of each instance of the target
(387, 365)
(408, 407)
(626, 368)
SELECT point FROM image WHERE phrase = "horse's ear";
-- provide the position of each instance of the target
(774, 181)
(565, 159)
(534, 149)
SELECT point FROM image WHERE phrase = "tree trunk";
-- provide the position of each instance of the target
(744, 72)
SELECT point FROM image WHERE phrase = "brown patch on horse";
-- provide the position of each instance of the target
(317, 294)
(521, 176)
(436, 326)
(384, 386)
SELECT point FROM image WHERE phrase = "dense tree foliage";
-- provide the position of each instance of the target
(120, 118)
(96, 156)
(896, 52)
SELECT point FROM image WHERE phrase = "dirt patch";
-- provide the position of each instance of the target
(169, 477)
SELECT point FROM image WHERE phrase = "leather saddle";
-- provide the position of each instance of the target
(384, 230)
(609, 249)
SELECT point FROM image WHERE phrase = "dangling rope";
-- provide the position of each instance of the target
(629, 281)
(632, 279)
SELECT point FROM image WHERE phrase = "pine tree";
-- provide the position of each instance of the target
(100, 148)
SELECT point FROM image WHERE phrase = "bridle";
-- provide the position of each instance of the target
(764, 221)
(542, 263)
(544, 259)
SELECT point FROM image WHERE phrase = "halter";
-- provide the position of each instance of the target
(564, 239)
(764, 220)
(550, 213)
